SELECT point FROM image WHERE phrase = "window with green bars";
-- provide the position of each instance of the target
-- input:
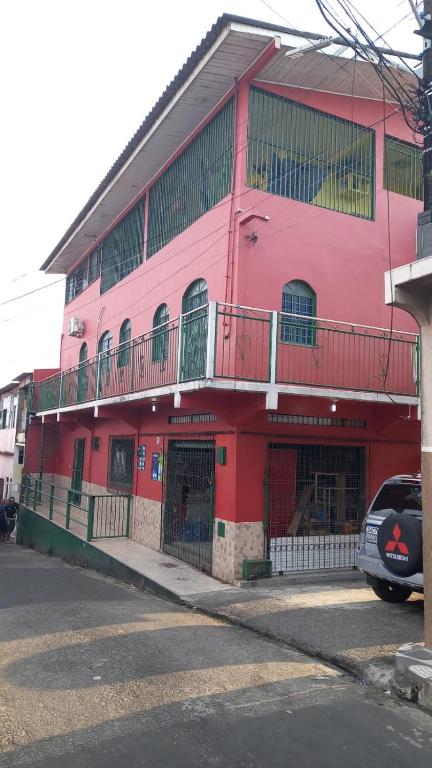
(198, 179)
(403, 168)
(122, 249)
(123, 357)
(308, 155)
(87, 272)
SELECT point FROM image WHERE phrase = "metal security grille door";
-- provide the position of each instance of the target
(314, 506)
(77, 471)
(188, 502)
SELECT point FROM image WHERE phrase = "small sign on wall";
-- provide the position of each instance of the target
(157, 466)
(141, 456)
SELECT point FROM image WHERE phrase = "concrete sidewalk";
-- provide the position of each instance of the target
(330, 615)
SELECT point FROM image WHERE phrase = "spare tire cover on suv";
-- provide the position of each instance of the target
(400, 544)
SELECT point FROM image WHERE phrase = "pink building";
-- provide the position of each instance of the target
(228, 363)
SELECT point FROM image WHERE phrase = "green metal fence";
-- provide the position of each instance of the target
(90, 516)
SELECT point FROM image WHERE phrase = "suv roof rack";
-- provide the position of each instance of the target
(416, 477)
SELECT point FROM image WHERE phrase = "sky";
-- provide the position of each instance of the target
(77, 81)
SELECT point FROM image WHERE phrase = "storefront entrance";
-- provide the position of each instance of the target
(315, 505)
(188, 502)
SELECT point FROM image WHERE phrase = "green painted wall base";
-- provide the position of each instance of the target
(38, 533)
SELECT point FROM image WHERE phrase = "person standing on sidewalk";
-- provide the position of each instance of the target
(11, 516)
(3, 521)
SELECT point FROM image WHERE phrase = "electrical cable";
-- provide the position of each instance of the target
(393, 86)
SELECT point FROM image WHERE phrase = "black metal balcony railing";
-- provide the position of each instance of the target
(244, 344)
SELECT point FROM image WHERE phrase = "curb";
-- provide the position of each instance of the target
(74, 550)
(312, 653)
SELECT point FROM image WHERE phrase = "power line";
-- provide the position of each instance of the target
(384, 70)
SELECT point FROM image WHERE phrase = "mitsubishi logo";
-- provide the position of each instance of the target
(395, 545)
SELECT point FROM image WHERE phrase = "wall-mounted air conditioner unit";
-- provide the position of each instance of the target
(75, 327)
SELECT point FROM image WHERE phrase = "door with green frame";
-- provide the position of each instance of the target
(194, 331)
(77, 470)
(82, 374)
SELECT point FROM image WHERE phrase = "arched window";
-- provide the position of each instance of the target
(105, 342)
(298, 298)
(83, 353)
(104, 348)
(195, 296)
(160, 334)
(194, 331)
(123, 356)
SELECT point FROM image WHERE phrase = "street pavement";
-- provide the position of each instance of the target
(342, 621)
(94, 673)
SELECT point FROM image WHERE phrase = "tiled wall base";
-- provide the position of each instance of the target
(146, 522)
(242, 541)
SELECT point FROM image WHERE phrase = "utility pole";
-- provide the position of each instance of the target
(423, 313)
(425, 32)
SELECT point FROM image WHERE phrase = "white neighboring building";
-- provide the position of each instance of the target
(14, 398)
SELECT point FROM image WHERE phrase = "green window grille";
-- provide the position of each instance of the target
(194, 335)
(160, 340)
(298, 298)
(195, 296)
(104, 349)
(302, 153)
(122, 249)
(123, 356)
(198, 179)
(82, 380)
(94, 265)
(85, 274)
(403, 168)
(121, 464)
(83, 353)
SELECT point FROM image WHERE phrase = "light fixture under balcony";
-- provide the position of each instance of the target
(333, 406)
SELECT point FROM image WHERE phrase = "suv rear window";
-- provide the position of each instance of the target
(399, 497)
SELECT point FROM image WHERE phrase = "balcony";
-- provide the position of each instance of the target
(232, 347)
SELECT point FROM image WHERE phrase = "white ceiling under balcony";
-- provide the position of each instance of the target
(227, 52)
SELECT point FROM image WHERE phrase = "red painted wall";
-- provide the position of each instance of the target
(341, 256)
(199, 251)
(39, 374)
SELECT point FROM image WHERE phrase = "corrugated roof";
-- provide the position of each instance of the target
(163, 102)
